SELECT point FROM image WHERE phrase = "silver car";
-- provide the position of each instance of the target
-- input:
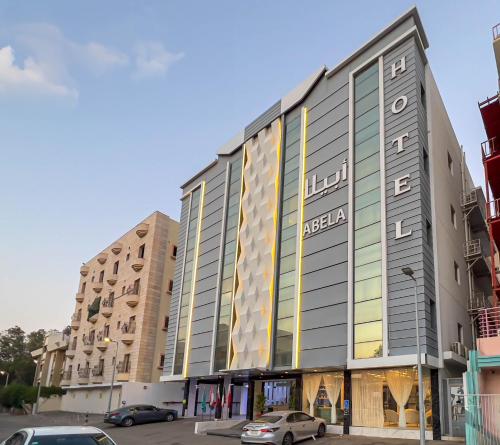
(283, 428)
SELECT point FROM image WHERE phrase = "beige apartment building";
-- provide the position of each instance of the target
(50, 358)
(121, 310)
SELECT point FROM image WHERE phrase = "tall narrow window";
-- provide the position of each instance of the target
(142, 250)
(115, 267)
(285, 298)
(450, 163)
(84, 285)
(187, 283)
(428, 232)
(137, 287)
(367, 220)
(170, 286)
(460, 332)
(174, 251)
(453, 216)
(101, 276)
(228, 284)
(456, 270)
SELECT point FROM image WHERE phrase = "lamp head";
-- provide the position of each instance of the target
(2, 372)
(407, 271)
(107, 340)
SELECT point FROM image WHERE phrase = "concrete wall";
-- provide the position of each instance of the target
(90, 400)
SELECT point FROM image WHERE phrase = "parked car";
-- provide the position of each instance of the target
(55, 435)
(130, 415)
(283, 428)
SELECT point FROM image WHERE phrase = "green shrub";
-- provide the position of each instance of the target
(14, 395)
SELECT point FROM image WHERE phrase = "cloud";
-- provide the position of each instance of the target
(29, 78)
(152, 59)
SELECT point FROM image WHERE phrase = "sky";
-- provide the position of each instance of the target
(106, 108)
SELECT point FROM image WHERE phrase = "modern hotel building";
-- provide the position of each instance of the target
(288, 279)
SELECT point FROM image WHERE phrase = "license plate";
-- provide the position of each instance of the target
(253, 433)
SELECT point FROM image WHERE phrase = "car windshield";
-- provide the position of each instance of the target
(267, 419)
(72, 439)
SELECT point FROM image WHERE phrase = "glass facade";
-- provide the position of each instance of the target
(187, 283)
(389, 398)
(367, 217)
(285, 299)
(228, 284)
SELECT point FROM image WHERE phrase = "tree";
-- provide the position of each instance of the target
(15, 353)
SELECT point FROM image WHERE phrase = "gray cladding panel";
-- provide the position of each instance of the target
(409, 207)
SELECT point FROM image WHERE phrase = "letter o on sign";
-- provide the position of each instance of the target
(399, 104)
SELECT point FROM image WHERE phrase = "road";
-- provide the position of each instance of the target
(180, 432)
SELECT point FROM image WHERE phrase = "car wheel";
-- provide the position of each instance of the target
(128, 421)
(321, 430)
(169, 417)
(288, 439)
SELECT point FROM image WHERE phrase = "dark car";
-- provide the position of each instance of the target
(130, 415)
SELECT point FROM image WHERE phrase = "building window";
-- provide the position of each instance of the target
(422, 96)
(127, 257)
(379, 397)
(165, 323)
(229, 258)
(84, 286)
(460, 331)
(126, 363)
(425, 157)
(101, 276)
(170, 286)
(367, 217)
(162, 360)
(106, 331)
(456, 272)
(174, 251)
(123, 290)
(115, 267)
(432, 309)
(428, 232)
(453, 216)
(285, 298)
(450, 163)
(329, 400)
(193, 227)
(118, 324)
(137, 287)
(141, 251)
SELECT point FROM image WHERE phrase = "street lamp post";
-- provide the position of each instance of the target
(6, 373)
(421, 412)
(108, 340)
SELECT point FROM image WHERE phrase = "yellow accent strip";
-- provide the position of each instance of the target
(229, 345)
(193, 283)
(301, 240)
(273, 251)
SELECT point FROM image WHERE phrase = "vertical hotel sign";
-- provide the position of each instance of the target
(402, 183)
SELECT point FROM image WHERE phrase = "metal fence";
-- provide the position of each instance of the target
(482, 419)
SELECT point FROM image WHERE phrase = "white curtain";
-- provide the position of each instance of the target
(333, 383)
(367, 399)
(400, 382)
(311, 384)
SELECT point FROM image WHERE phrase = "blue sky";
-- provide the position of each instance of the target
(107, 107)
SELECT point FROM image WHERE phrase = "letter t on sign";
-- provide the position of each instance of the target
(399, 140)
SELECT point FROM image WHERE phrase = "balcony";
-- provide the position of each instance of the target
(75, 321)
(84, 270)
(97, 286)
(83, 376)
(123, 371)
(97, 375)
(142, 230)
(88, 346)
(101, 345)
(112, 279)
(488, 343)
(70, 352)
(94, 318)
(116, 248)
(128, 333)
(79, 297)
(107, 307)
(132, 298)
(137, 264)
(66, 378)
(102, 257)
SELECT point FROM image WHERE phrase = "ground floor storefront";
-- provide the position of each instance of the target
(375, 402)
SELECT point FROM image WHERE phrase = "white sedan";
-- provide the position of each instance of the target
(59, 435)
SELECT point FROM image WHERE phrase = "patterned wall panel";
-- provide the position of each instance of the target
(253, 300)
